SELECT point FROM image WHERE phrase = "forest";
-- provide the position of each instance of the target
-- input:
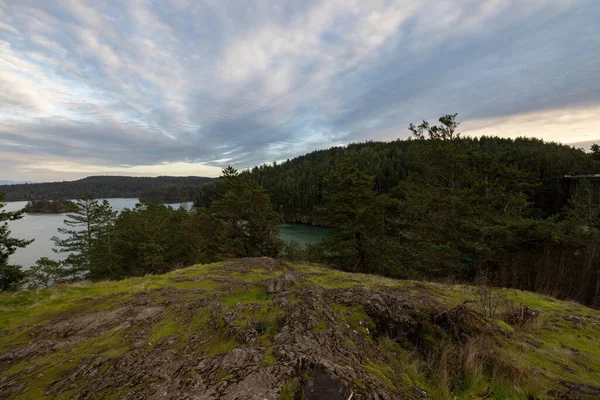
(50, 206)
(517, 213)
(98, 187)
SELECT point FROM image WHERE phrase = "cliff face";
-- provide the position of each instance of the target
(267, 329)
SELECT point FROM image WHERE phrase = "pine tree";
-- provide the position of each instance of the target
(85, 226)
(45, 273)
(584, 207)
(250, 222)
(352, 210)
(11, 276)
(461, 207)
(102, 256)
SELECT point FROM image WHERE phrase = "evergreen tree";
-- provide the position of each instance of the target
(11, 276)
(460, 208)
(150, 239)
(583, 209)
(90, 222)
(250, 222)
(352, 210)
(595, 149)
(102, 253)
(45, 273)
(207, 235)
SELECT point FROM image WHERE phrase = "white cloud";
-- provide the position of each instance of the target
(85, 14)
(7, 28)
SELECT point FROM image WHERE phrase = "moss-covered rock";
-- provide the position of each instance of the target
(265, 329)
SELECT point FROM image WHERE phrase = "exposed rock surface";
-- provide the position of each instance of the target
(253, 329)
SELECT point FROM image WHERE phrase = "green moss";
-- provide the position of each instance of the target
(166, 327)
(321, 327)
(218, 346)
(534, 300)
(289, 390)
(199, 324)
(358, 384)
(333, 282)
(224, 376)
(199, 270)
(383, 372)
(506, 327)
(360, 321)
(255, 294)
(267, 327)
(44, 370)
(34, 307)
(204, 283)
(561, 347)
(356, 317)
(269, 358)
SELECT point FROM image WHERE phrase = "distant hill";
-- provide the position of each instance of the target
(3, 182)
(97, 186)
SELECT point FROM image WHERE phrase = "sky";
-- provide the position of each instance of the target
(186, 87)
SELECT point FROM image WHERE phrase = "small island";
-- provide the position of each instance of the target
(50, 207)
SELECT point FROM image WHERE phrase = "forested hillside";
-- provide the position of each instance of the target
(296, 186)
(98, 187)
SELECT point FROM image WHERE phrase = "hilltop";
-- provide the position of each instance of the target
(260, 328)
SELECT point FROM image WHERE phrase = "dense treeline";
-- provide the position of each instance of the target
(98, 187)
(50, 206)
(296, 186)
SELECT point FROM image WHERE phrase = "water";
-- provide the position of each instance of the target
(304, 234)
(42, 227)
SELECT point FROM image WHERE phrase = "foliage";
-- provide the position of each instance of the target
(248, 218)
(148, 239)
(461, 208)
(583, 209)
(90, 223)
(50, 206)
(350, 207)
(445, 131)
(45, 273)
(11, 276)
(296, 186)
(154, 238)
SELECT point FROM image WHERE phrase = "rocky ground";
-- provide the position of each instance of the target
(267, 329)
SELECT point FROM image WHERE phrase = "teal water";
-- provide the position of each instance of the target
(42, 227)
(302, 233)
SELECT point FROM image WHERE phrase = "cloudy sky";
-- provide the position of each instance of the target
(184, 87)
